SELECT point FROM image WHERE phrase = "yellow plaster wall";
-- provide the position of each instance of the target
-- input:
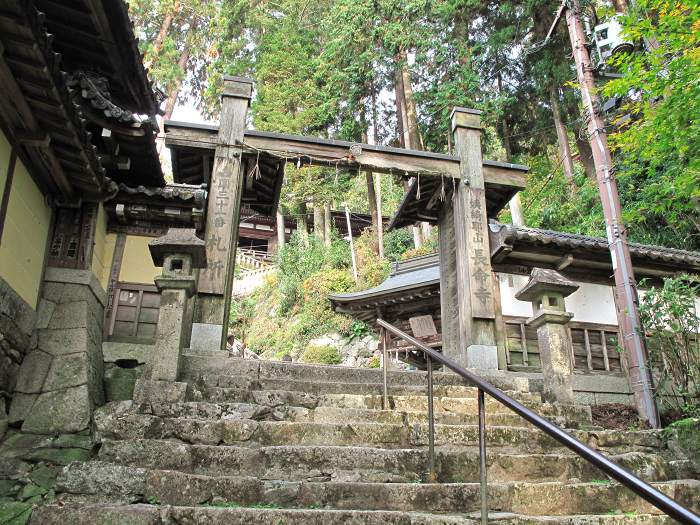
(103, 250)
(26, 230)
(5, 150)
(137, 265)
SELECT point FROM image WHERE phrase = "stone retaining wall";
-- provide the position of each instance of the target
(60, 381)
(16, 325)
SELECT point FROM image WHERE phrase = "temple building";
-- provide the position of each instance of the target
(412, 291)
(83, 195)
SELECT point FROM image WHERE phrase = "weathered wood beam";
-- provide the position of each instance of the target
(310, 150)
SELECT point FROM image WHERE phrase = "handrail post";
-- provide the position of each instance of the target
(432, 475)
(385, 363)
(643, 489)
(482, 458)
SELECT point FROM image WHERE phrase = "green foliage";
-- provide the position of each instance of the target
(371, 270)
(551, 202)
(302, 257)
(671, 321)
(658, 128)
(359, 329)
(322, 355)
(397, 242)
(374, 362)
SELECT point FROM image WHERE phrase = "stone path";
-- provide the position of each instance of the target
(276, 443)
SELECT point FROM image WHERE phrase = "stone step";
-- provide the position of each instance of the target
(198, 365)
(340, 387)
(320, 414)
(105, 514)
(330, 463)
(127, 425)
(185, 489)
(572, 416)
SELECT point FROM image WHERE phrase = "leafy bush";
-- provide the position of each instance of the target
(302, 257)
(371, 270)
(671, 322)
(374, 362)
(396, 242)
(323, 355)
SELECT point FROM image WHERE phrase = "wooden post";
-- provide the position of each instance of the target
(473, 285)
(223, 217)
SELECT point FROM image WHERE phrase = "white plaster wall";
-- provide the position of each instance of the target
(591, 303)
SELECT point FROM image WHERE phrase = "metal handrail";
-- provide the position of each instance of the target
(612, 469)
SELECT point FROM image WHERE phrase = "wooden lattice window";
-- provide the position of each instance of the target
(595, 348)
(523, 349)
(134, 312)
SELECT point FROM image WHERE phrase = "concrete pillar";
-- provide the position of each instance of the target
(179, 252)
(547, 289)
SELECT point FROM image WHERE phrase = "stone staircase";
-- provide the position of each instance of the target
(277, 443)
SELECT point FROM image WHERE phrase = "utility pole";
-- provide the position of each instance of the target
(625, 285)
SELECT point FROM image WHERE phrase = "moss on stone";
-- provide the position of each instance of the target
(15, 513)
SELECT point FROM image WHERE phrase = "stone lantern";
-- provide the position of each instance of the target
(179, 252)
(546, 290)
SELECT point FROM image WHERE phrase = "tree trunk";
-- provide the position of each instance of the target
(281, 238)
(327, 224)
(562, 136)
(372, 201)
(160, 38)
(620, 6)
(301, 224)
(401, 123)
(380, 231)
(585, 154)
(319, 227)
(412, 136)
(175, 89)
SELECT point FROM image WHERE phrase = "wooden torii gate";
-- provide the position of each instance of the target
(460, 193)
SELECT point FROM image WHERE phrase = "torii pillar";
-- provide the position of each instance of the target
(223, 217)
(466, 287)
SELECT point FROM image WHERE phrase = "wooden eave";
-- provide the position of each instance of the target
(98, 35)
(425, 196)
(37, 109)
(144, 209)
(579, 257)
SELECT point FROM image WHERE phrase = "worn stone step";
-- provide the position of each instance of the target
(128, 425)
(549, 498)
(101, 514)
(319, 414)
(330, 463)
(195, 366)
(341, 387)
(572, 416)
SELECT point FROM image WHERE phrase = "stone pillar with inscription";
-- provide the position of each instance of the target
(223, 217)
(546, 290)
(467, 292)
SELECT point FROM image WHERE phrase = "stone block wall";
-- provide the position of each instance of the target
(60, 380)
(17, 320)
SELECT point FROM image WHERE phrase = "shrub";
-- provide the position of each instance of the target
(324, 355)
(671, 322)
(371, 270)
(374, 362)
(396, 242)
(302, 257)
